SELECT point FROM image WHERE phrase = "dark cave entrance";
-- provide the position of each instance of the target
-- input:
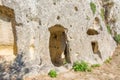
(58, 45)
(95, 48)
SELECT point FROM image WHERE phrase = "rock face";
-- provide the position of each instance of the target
(46, 33)
(114, 17)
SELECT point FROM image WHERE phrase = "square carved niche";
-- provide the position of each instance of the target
(7, 32)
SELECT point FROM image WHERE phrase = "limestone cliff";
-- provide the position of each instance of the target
(42, 34)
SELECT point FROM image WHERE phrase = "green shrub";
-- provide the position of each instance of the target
(52, 73)
(81, 66)
(102, 13)
(93, 7)
(108, 60)
(108, 29)
(117, 38)
(95, 65)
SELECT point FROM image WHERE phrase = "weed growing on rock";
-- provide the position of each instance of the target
(117, 38)
(93, 7)
(108, 60)
(102, 13)
(95, 65)
(81, 66)
(52, 73)
(108, 29)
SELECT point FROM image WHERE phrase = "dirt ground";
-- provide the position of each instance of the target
(107, 71)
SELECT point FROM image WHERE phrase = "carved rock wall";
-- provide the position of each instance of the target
(78, 33)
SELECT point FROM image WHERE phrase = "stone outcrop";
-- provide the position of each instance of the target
(43, 34)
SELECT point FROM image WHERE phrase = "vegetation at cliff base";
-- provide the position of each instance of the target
(95, 65)
(108, 60)
(52, 73)
(81, 66)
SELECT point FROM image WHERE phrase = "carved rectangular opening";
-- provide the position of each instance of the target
(7, 32)
(58, 46)
(95, 48)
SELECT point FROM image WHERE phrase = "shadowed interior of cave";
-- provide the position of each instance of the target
(95, 48)
(92, 32)
(58, 46)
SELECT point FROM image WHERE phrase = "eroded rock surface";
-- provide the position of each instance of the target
(85, 36)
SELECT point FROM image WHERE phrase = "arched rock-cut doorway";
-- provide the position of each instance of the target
(58, 45)
(7, 32)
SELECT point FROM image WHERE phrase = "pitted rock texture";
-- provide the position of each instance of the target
(86, 33)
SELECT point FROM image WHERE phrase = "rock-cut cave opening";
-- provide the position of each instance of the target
(95, 48)
(58, 45)
(7, 32)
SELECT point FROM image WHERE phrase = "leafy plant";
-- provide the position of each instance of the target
(108, 29)
(52, 73)
(93, 7)
(81, 66)
(117, 38)
(102, 13)
(95, 65)
(108, 60)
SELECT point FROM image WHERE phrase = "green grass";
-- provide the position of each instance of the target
(102, 13)
(95, 65)
(81, 66)
(52, 73)
(117, 38)
(108, 29)
(93, 7)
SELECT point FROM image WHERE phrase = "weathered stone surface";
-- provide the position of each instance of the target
(114, 17)
(78, 34)
(112, 10)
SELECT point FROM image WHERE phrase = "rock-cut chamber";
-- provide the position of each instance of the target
(7, 32)
(58, 45)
